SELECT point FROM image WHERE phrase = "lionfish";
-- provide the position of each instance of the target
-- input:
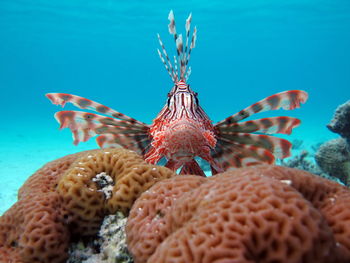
(182, 130)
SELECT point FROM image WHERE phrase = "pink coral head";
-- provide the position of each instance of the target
(257, 214)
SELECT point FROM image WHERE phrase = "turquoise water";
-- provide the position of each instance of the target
(106, 51)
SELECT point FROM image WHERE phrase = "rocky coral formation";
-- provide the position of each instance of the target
(334, 156)
(334, 159)
(109, 247)
(300, 161)
(305, 160)
(341, 122)
(261, 214)
(62, 198)
(85, 200)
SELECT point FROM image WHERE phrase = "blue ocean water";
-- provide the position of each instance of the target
(106, 50)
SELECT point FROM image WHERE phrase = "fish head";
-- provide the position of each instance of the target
(182, 97)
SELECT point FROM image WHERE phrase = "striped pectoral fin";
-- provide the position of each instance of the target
(85, 125)
(135, 142)
(83, 103)
(287, 100)
(279, 147)
(235, 155)
(270, 125)
(70, 118)
(82, 130)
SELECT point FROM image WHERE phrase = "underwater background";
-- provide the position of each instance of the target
(106, 51)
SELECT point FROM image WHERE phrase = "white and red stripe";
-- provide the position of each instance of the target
(182, 130)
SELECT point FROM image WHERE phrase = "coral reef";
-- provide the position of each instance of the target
(334, 156)
(296, 144)
(300, 161)
(110, 247)
(62, 199)
(315, 147)
(334, 159)
(341, 122)
(33, 230)
(305, 160)
(84, 199)
(80, 252)
(259, 214)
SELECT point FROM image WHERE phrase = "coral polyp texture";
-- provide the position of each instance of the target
(341, 121)
(62, 199)
(333, 156)
(259, 214)
(334, 159)
(33, 229)
(85, 200)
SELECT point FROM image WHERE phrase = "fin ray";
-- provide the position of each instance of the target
(279, 147)
(138, 143)
(83, 103)
(85, 125)
(271, 125)
(287, 100)
(183, 50)
(234, 155)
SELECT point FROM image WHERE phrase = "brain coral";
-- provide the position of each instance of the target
(32, 230)
(62, 198)
(261, 214)
(83, 198)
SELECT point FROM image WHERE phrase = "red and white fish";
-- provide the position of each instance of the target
(182, 130)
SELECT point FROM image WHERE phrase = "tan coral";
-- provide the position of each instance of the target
(57, 201)
(260, 214)
(83, 198)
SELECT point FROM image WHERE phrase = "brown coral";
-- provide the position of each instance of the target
(57, 201)
(83, 198)
(261, 214)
